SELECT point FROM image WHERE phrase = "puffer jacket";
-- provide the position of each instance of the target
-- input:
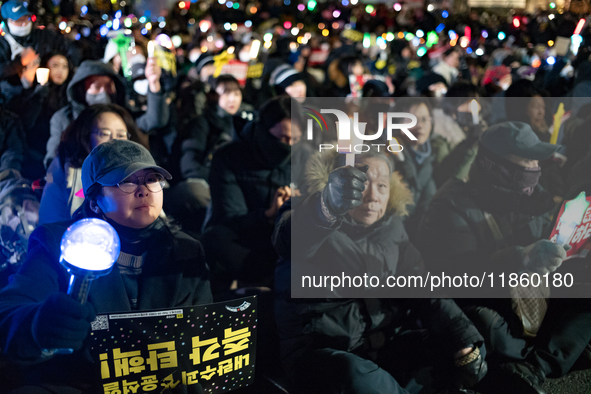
(156, 116)
(381, 249)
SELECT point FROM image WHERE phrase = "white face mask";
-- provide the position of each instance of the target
(100, 98)
(193, 56)
(244, 56)
(20, 31)
(141, 87)
(440, 92)
(504, 86)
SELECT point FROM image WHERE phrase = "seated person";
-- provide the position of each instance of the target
(353, 219)
(62, 195)
(499, 221)
(123, 186)
(249, 182)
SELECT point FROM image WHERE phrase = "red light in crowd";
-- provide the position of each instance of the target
(468, 33)
(33, 18)
(580, 26)
(516, 22)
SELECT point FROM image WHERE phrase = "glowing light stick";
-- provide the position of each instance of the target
(255, 46)
(42, 75)
(557, 121)
(347, 146)
(576, 41)
(580, 26)
(574, 211)
(474, 110)
(89, 249)
(150, 49)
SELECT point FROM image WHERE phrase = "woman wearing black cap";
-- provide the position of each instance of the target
(158, 267)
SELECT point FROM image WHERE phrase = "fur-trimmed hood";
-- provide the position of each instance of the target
(320, 165)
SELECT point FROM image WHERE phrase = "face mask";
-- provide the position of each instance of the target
(508, 175)
(20, 31)
(141, 87)
(244, 56)
(101, 98)
(440, 92)
(504, 86)
(464, 119)
(193, 56)
(272, 151)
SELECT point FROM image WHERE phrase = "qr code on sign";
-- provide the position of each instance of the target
(100, 323)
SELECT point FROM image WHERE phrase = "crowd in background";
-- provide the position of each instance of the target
(207, 89)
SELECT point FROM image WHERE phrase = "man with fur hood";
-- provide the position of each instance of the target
(96, 82)
(353, 219)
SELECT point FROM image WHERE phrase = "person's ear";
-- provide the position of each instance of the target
(94, 207)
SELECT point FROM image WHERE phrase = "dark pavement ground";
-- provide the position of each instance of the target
(576, 382)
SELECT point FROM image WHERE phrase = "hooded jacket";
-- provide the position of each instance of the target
(243, 178)
(156, 115)
(382, 249)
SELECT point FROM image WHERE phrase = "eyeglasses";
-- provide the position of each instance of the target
(105, 134)
(154, 182)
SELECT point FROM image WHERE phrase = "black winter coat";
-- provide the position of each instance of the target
(12, 142)
(204, 134)
(457, 238)
(243, 180)
(347, 324)
(174, 275)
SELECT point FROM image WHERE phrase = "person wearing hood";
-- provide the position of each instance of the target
(499, 221)
(21, 46)
(353, 221)
(97, 83)
(250, 180)
(158, 267)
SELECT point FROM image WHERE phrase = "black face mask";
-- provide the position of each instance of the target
(508, 175)
(464, 119)
(273, 152)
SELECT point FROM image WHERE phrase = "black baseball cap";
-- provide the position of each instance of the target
(516, 138)
(111, 162)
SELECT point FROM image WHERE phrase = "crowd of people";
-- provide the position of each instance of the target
(185, 132)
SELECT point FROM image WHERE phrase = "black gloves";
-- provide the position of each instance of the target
(62, 323)
(470, 369)
(344, 190)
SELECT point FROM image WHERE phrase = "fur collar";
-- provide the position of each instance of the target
(320, 165)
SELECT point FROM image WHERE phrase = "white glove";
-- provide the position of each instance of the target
(543, 256)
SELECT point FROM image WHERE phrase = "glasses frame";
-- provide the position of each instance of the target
(142, 181)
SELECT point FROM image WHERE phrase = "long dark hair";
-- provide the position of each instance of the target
(75, 144)
(57, 97)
